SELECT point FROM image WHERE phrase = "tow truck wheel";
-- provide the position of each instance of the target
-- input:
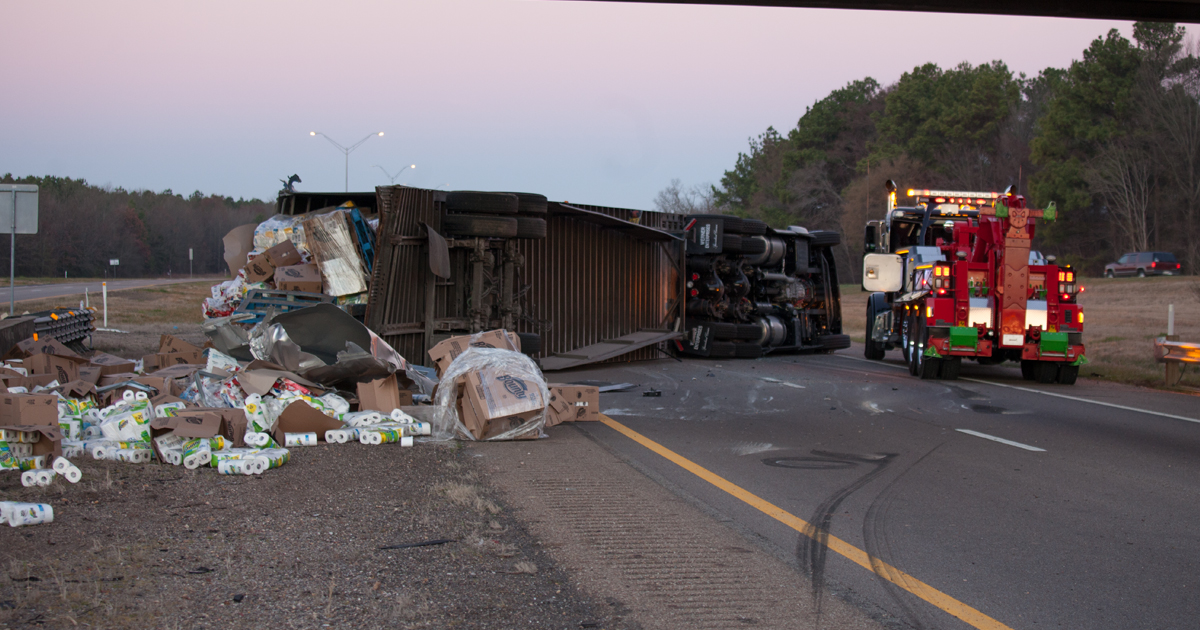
(1027, 371)
(905, 326)
(1045, 371)
(873, 351)
(1067, 374)
(923, 367)
(950, 368)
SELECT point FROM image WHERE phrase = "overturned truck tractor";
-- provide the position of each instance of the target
(952, 278)
(752, 290)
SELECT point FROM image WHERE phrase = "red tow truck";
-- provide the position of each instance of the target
(951, 279)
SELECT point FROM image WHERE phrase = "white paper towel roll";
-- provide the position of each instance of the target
(29, 478)
(73, 474)
(45, 477)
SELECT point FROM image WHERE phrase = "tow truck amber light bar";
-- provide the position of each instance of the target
(955, 196)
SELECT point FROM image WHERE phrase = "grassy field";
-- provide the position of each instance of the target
(1122, 318)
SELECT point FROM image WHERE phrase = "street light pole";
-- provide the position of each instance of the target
(393, 177)
(346, 150)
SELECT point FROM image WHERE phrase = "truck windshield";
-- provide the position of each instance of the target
(905, 234)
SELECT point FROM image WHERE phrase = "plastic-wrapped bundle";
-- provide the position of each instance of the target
(511, 368)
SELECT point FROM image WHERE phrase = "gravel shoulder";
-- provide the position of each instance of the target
(299, 547)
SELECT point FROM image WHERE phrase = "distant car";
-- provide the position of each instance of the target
(1142, 264)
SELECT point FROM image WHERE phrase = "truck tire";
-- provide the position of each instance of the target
(484, 202)
(924, 368)
(1045, 371)
(531, 343)
(748, 332)
(530, 203)
(722, 350)
(479, 225)
(529, 227)
(829, 343)
(824, 238)
(731, 244)
(906, 341)
(748, 350)
(950, 368)
(753, 227)
(872, 350)
(721, 331)
(1027, 369)
(1067, 374)
(731, 224)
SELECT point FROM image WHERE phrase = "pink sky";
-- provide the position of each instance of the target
(591, 102)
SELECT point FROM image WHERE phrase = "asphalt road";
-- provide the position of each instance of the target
(41, 291)
(1096, 530)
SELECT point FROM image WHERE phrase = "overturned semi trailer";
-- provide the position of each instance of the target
(580, 284)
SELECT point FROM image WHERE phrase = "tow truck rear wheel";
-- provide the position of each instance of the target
(906, 341)
(1045, 371)
(1067, 374)
(1027, 369)
(873, 350)
(950, 368)
(924, 368)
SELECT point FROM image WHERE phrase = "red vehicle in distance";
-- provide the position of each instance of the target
(1142, 264)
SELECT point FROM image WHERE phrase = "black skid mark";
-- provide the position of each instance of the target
(878, 545)
(813, 547)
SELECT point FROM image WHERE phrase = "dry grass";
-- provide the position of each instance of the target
(1123, 316)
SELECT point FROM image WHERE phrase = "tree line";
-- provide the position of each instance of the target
(82, 227)
(1113, 139)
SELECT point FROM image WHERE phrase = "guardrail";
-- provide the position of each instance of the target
(1174, 354)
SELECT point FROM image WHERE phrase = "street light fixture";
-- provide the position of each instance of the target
(346, 150)
(393, 177)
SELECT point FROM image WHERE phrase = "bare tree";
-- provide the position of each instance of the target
(676, 199)
(1175, 111)
(1123, 175)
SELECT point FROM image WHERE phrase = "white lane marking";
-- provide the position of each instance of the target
(1001, 440)
(1038, 391)
(779, 382)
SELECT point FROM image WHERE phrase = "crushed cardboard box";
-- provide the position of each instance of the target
(447, 350)
(305, 278)
(573, 403)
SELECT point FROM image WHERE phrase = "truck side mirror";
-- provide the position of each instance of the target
(870, 239)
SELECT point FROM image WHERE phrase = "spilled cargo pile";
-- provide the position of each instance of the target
(295, 261)
(203, 408)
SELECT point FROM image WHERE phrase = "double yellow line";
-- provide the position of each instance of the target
(884, 570)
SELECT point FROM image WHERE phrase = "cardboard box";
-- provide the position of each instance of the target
(110, 364)
(29, 410)
(262, 268)
(446, 351)
(65, 369)
(298, 278)
(573, 403)
(284, 254)
(91, 373)
(299, 417)
(492, 401)
(49, 441)
(383, 395)
(154, 362)
(79, 390)
(29, 382)
(33, 346)
(168, 344)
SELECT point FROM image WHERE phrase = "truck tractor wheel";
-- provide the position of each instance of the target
(873, 350)
(722, 350)
(529, 203)
(479, 225)
(529, 227)
(1141, 273)
(1067, 374)
(748, 350)
(485, 202)
(824, 238)
(731, 224)
(1027, 369)
(1109, 274)
(531, 343)
(753, 227)
(1045, 372)
(731, 244)
(950, 368)
(829, 343)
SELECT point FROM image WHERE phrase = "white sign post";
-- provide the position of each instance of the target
(114, 263)
(189, 263)
(18, 215)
